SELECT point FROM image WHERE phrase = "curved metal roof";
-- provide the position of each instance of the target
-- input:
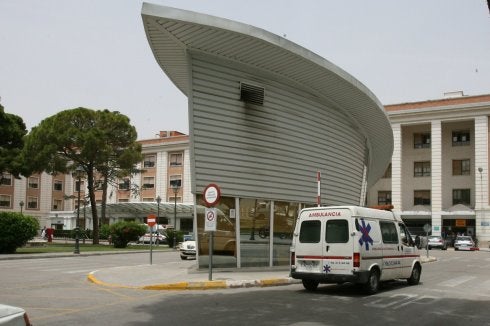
(172, 32)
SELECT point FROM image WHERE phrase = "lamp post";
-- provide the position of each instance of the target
(159, 200)
(481, 195)
(21, 204)
(175, 188)
(78, 174)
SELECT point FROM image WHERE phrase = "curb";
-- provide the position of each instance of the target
(200, 285)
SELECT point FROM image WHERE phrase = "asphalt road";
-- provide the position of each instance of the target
(455, 290)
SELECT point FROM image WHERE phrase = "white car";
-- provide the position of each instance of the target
(188, 249)
(14, 316)
(157, 238)
(464, 242)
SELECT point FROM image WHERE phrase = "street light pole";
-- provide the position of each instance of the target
(175, 188)
(21, 204)
(159, 200)
(78, 172)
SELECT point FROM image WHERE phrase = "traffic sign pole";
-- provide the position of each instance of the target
(211, 196)
(151, 220)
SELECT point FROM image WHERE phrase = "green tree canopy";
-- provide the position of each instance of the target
(100, 142)
(12, 131)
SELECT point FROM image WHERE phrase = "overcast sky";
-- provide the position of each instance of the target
(57, 55)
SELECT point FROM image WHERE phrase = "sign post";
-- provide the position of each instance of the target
(151, 220)
(427, 228)
(212, 195)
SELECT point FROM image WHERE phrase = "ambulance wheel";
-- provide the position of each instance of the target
(372, 285)
(415, 276)
(310, 285)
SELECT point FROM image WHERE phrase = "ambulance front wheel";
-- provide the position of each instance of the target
(372, 285)
(415, 276)
(310, 285)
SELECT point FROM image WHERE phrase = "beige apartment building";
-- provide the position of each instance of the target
(53, 199)
(439, 170)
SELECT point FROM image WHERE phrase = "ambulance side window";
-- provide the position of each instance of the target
(337, 231)
(388, 232)
(310, 232)
(405, 235)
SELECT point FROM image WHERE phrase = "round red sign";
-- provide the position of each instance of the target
(212, 194)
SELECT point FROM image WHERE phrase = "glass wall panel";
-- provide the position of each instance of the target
(224, 238)
(254, 232)
(284, 221)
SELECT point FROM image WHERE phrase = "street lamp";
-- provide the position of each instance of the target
(21, 204)
(175, 188)
(159, 200)
(78, 174)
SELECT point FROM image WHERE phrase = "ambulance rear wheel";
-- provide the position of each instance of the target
(310, 285)
(372, 285)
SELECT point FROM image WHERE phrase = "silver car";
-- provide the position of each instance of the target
(436, 241)
(464, 242)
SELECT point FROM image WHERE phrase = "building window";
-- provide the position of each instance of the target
(175, 181)
(5, 201)
(387, 174)
(421, 197)
(149, 161)
(6, 179)
(57, 205)
(33, 183)
(99, 184)
(58, 185)
(461, 196)
(32, 202)
(384, 197)
(172, 198)
(421, 140)
(175, 159)
(148, 200)
(461, 167)
(461, 138)
(78, 185)
(123, 200)
(124, 184)
(148, 182)
(421, 169)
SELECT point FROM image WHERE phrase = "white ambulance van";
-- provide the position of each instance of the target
(352, 244)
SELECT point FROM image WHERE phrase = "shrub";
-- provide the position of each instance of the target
(124, 232)
(15, 230)
(105, 231)
(172, 235)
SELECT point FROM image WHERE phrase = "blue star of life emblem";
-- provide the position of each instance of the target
(365, 238)
(327, 269)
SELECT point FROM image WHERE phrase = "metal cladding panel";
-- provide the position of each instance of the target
(271, 151)
(172, 33)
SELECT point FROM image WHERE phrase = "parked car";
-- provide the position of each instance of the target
(464, 242)
(188, 249)
(10, 315)
(157, 238)
(436, 241)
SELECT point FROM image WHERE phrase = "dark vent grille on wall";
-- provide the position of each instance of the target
(251, 94)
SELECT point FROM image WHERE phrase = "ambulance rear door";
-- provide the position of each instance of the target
(309, 249)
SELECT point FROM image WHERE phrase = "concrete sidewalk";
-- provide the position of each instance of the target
(185, 276)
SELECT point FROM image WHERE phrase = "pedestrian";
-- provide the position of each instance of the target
(417, 241)
(43, 233)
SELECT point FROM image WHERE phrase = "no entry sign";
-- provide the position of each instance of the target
(151, 220)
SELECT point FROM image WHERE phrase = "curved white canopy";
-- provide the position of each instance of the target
(172, 32)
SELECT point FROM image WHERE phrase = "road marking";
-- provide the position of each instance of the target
(456, 281)
(398, 301)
